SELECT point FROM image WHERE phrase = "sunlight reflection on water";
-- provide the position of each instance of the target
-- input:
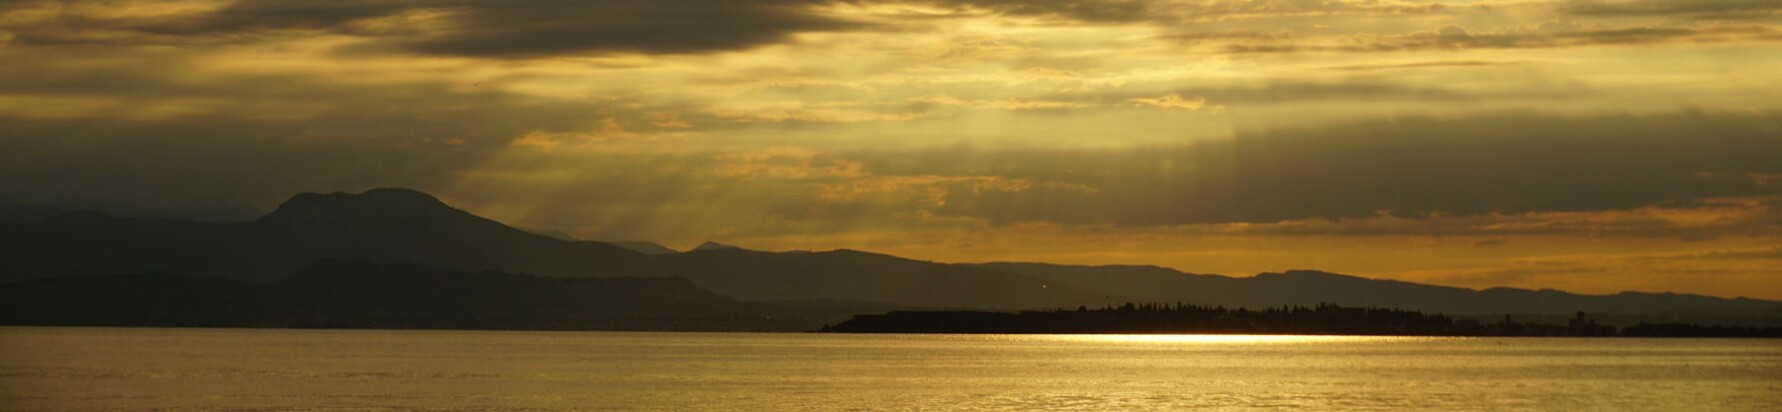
(228, 369)
(1219, 339)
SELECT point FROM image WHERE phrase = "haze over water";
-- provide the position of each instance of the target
(190, 369)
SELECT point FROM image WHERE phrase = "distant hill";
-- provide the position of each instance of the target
(861, 276)
(647, 248)
(399, 225)
(363, 294)
(386, 225)
(1307, 288)
(710, 245)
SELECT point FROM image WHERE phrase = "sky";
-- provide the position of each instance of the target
(1582, 145)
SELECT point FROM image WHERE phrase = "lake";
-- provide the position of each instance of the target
(207, 369)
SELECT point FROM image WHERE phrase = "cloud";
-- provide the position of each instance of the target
(1169, 101)
(1504, 164)
(1419, 64)
(1105, 11)
(1196, 10)
(1279, 91)
(1002, 104)
(1753, 216)
(1774, 253)
(476, 28)
(555, 28)
(1700, 9)
(1229, 35)
(142, 130)
(1454, 38)
(1470, 177)
(144, 114)
(507, 29)
(1170, 12)
(253, 15)
(1217, 97)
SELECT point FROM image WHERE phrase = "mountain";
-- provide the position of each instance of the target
(860, 276)
(406, 225)
(1308, 288)
(647, 248)
(399, 225)
(364, 294)
(386, 225)
(710, 245)
(1144, 283)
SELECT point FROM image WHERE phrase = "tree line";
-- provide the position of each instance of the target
(1321, 319)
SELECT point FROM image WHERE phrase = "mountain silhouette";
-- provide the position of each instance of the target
(711, 245)
(647, 248)
(1309, 288)
(400, 225)
(407, 225)
(385, 225)
(860, 276)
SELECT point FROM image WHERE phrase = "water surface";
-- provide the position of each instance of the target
(207, 369)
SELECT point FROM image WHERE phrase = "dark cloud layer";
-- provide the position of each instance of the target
(1460, 38)
(1416, 167)
(1538, 174)
(566, 27)
(1411, 167)
(159, 133)
(482, 28)
(1457, 38)
(272, 136)
(249, 15)
(501, 29)
(1710, 9)
(1283, 91)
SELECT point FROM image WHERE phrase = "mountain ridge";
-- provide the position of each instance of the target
(399, 225)
(387, 225)
(862, 276)
(1311, 287)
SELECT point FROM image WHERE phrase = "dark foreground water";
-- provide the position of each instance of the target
(208, 369)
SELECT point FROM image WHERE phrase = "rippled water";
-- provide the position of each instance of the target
(135, 369)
